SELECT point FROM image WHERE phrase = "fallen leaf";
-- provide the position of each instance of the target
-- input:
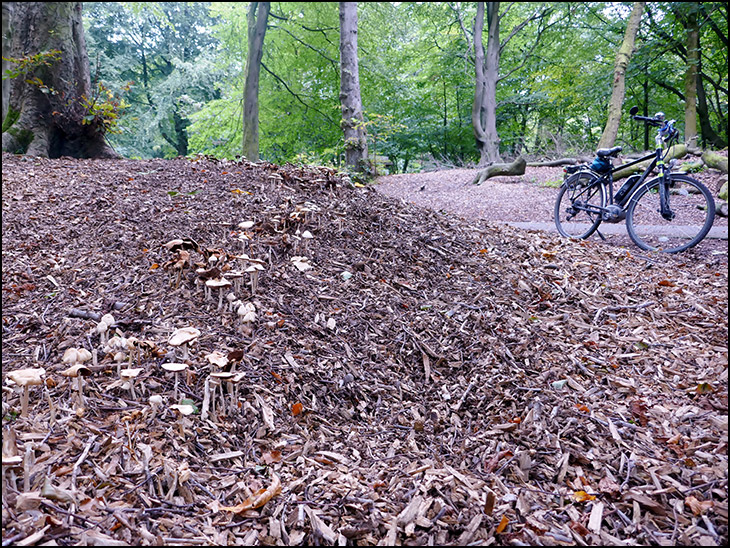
(582, 496)
(502, 525)
(296, 409)
(258, 499)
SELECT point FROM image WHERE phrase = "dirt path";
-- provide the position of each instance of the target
(529, 198)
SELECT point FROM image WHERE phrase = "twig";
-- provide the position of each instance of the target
(619, 308)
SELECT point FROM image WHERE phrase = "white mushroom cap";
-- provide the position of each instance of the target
(16, 460)
(71, 355)
(218, 282)
(183, 335)
(246, 224)
(131, 373)
(77, 370)
(184, 409)
(101, 327)
(307, 235)
(217, 358)
(254, 267)
(108, 319)
(175, 367)
(155, 399)
(27, 377)
(83, 355)
(224, 375)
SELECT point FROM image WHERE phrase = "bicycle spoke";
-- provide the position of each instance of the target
(577, 206)
(683, 224)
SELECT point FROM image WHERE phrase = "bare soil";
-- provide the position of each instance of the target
(407, 376)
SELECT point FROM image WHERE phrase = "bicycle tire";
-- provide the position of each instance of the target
(693, 207)
(578, 190)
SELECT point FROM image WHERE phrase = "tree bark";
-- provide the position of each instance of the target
(258, 14)
(610, 132)
(690, 79)
(51, 114)
(484, 109)
(495, 170)
(7, 14)
(356, 146)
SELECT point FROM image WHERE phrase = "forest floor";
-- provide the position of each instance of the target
(408, 376)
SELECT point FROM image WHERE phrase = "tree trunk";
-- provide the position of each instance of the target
(690, 80)
(484, 109)
(7, 14)
(258, 14)
(50, 110)
(356, 146)
(623, 57)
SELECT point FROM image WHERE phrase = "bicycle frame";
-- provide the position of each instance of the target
(606, 179)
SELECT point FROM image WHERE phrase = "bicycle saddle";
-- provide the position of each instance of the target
(605, 152)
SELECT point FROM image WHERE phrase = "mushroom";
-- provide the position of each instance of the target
(247, 313)
(254, 270)
(155, 402)
(175, 368)
(224, 377)
(219, 284)
(184, 410)
(184, 337)
(217, 358)
(78, 371)
(26, 378)
(9, 462)
(107, 320)
(130, 375)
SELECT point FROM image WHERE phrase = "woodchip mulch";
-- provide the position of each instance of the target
(410, 377)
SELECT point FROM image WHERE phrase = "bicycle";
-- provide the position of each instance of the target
(670, 212)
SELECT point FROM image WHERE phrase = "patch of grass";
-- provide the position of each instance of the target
(551, 184)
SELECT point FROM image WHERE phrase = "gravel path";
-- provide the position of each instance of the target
(523, 199)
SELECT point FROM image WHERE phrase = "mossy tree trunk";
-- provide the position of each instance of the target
(49, 113)
(618, 91)
(356, 145)
(258, 14)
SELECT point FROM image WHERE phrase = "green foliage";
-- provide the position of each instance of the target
(103, 109)
(416, 75)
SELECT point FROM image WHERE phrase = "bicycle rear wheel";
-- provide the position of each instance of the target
(692, 213)
(577, 213)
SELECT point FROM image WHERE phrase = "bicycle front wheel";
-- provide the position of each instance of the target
(682, 223)
(578, 205)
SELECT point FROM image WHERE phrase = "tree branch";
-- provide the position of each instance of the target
(295, 95)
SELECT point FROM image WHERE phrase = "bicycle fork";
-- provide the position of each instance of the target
(664, 209)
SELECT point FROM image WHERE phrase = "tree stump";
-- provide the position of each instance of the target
(495, 170)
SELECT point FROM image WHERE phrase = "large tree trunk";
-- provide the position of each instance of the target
(484, 110)
(258, 14)
(50, 112)
(690, 79)
(7, 13)
(356, 145)
(610, 132)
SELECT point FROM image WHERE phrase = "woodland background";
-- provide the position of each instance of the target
(179, 68)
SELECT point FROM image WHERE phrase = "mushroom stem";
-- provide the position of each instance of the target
(131, 388)
(176, 378)
(24, 402)
(80, 381)
(185, 352)
(254, 281)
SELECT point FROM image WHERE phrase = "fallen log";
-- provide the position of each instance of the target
(677, 151)
(715, 161)
(555, 163)
(495, 170)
